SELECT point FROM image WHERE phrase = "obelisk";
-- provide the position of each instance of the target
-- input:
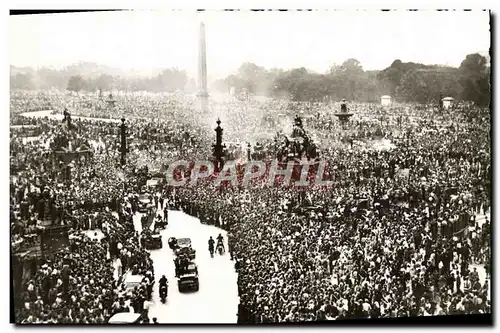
(202, 95)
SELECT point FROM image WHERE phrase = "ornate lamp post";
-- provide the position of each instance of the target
(66, 151)
(249, 155)
(123, 139)
(218, 148)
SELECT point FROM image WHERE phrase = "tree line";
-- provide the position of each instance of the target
(406, 82)
(93, 77)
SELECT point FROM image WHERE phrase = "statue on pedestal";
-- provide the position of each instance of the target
(299, 145)
(111, 102)
(343, 106)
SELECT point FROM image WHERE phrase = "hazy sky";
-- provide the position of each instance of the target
(315, 40)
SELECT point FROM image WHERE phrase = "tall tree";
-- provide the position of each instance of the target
(103, 82)
(412, 88)
(76, 83)
(390, 78)
(170, 80)
(474, 79)
(352, 67)
(22, 81)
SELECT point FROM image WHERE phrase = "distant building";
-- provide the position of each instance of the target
(447, 102)
(385, 100)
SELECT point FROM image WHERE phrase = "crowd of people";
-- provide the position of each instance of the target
(84, 282)
(396, 235)
(77, 287)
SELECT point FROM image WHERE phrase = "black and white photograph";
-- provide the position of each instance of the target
(250, 166)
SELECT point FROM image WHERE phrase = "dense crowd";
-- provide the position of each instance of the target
(77, 287)
(396, 235)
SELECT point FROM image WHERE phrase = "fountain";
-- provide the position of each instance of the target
(344, 115)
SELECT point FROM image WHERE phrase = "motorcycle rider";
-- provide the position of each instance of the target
(211, 243)
(220, 242)
(163, 283)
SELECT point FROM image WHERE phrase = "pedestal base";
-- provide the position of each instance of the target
(344, 116)
(202, 101)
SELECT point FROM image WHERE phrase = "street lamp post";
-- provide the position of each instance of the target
(123, 148)
(249, 155)
(218, 148)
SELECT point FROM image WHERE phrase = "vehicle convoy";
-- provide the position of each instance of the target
(182, 246)
(188, 278)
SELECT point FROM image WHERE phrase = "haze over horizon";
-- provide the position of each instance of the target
(145, 40)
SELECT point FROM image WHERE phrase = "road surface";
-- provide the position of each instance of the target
(217, 299)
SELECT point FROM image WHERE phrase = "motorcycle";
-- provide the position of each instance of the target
(221, 249)
(163, 292)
